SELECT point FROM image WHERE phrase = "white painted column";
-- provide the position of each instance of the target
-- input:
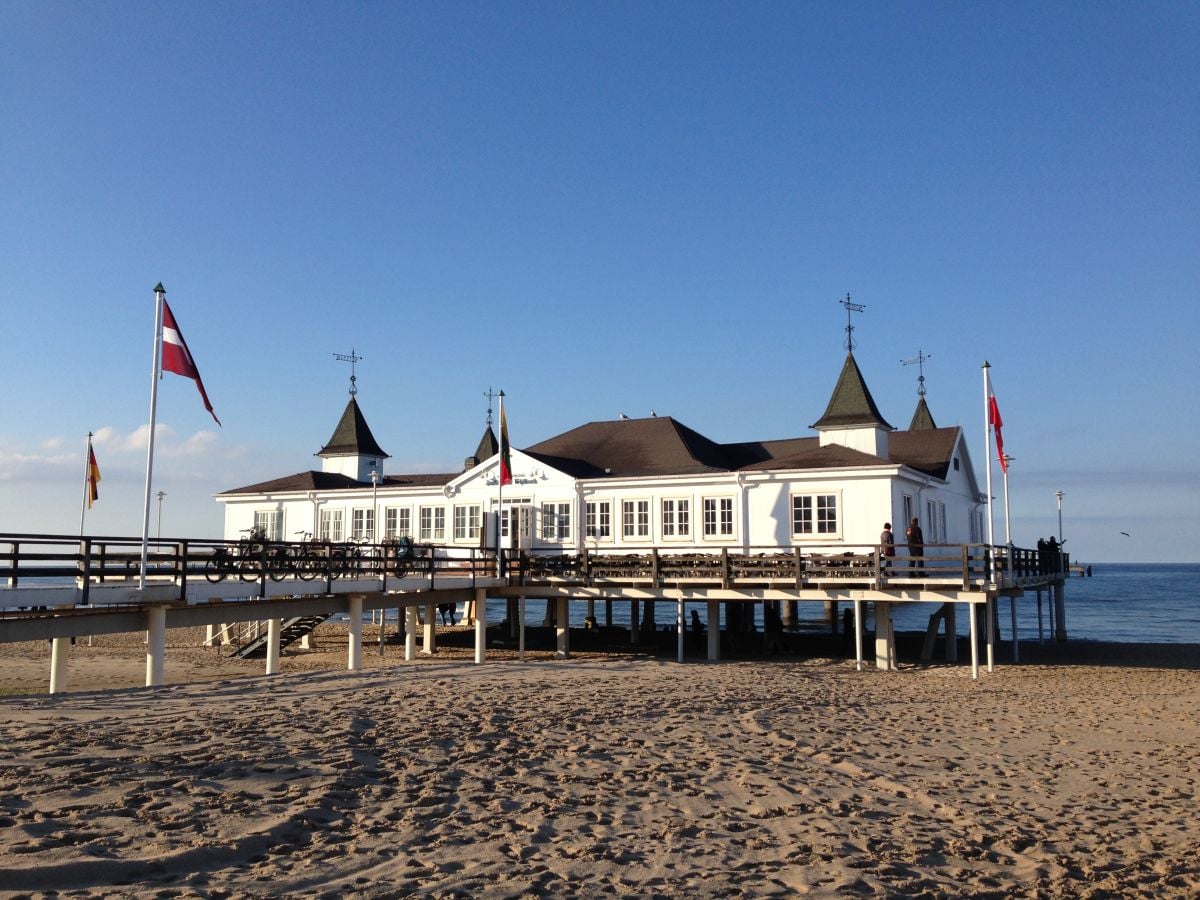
(1012, 600)
(210, 635)
(521, 628)
(156, 644)
(885, 640)
(354, 657)
(410, 633)
(60, 650)
(1060, 612)
(990, 606)
(974, 641)
(858, 634)
(562, 629)
(679, 625)
(430, 629)
(714, 630)
(273, 628)
(480, 626)
(951, 632)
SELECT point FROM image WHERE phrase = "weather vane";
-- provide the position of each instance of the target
(850, 308)
(918, 360)
(352, 358)
(491, 395)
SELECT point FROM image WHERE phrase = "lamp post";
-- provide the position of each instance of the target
(160, 496)
(1058, 495)
(374, 506)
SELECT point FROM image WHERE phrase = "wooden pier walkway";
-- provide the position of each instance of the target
(56, 588)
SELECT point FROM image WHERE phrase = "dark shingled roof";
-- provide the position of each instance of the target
(488, 445)
(332, 481)
(814, 456)
(922, 419)
(929, 451)
(851, 403)
(655, 446)
(352, 436)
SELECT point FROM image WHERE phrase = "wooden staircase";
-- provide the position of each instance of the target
(291, 630)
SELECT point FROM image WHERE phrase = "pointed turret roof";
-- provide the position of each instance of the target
(488, 445)
(851, 403)
(922, 419)
(352, 436)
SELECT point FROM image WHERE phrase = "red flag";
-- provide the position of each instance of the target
(505, 450)
(178, 359)
(997, 423)
(93, 477)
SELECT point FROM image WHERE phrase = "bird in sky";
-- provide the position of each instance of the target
(1126, 533)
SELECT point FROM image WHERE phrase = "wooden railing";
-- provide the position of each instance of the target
(950, 566)
(40, 559)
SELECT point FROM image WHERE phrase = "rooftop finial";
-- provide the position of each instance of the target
(491, 395)
(919, 360)
(352, 358)
(850, 308)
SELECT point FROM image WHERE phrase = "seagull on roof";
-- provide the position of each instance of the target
(623, 416)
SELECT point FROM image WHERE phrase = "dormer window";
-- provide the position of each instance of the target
(956, 464)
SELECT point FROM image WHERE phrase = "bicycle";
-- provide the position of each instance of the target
(244, 559)
(293, 559)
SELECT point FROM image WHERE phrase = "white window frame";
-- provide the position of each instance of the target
(397, 522)
(271, 523)
(362, 523)
(676, 518)
(468, 521)
(432, 523)
(556, 521)
(720, 525)
(824, 519)
(635, 519)
(331, 525)
(598, 522)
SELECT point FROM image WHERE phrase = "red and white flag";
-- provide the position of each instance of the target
(178, 359)
(997, 423)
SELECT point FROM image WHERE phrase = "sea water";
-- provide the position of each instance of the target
(1126, 603)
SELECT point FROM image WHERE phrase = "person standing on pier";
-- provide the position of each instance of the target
(916, 544)
(887, 545)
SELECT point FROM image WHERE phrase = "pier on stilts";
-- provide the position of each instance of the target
(58, 588)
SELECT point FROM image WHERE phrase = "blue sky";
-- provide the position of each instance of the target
(601, 208)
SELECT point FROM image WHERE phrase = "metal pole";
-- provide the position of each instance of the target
(987, 456)
(160, 294)
(160, 495)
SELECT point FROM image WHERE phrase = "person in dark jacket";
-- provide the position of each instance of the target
(916, 544)
(887, 545)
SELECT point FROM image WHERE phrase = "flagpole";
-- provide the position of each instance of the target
(87, 482)
(500, 495)
(987, 437)
(155, 371)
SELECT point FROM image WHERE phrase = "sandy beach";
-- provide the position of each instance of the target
(1071, 775)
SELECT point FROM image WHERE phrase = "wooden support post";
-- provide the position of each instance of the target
(634, 635)
(60, 650)
(156, 644)
(991, 634)
(480, 625)
(562, 629)
(521, 638)
(1012, 600)
(714, 630)
(974, 642)
(354, 656)
(430, 629)
(410, 633)
(680, 626)
(885, 640)
(858, 635)
(1060, 612)
(608, 612)
(273, 628)
(951, 632)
